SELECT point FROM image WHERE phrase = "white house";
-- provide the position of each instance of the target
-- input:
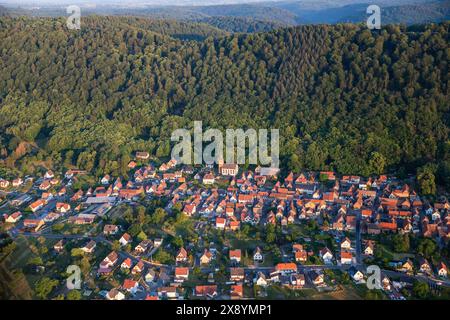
(356, 275)
(13, 218)
(442, 271)
(326, 255)
(115, 294)
(260, 280)
(346, 244)
(257, 256)
(125, 239)
(49, 175)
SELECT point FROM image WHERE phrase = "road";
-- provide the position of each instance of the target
(301, 268)
(358, 239)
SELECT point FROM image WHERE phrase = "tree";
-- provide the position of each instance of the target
(142, 236)
(74, 295)
(427, 180)
(427, 247)
(177, 242)
(36, 261)
(44, 287)
(377, 163)
(421, 289)
(400, 243)
(159, 216)
(116, 245)
(141, 215)
(76, 252)
(270, 234)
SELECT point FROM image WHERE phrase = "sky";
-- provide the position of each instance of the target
(149, 2)
(137, 3)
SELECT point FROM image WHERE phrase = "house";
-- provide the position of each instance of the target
(105, 180)
(301, 256)
(142, 155)
(208, 179)
(237, 292)
(14, 217)
(130, 285)
(110, 229)
(237, 274)
(235, 255)
(126, 264)
(62, 207)
(316, 278)
(346, 244)
(181, 274)
(150, 276)
(228, 169)
(206, 257)
(424, 266)
(143, 246)
(286, 268)
(207, 291)
(407, 266)
(356, 274)
(297, 281)
(157, 242)
(385, 283)
(108, 263)
(326, 255)
(346, 257)
(220, 223)
(167, 292)
(442, 270)
(115, 294)
(37, 205)
(59, 246)
(138, 268)
(257, 255)
(260, 280)
(234, 225)
(45, 185)
(368, 248)
(190, 209)
(125, 239)
(49, 175)
(4, 183)
(89, 247)
(33, 224)
(17, 182)
(182, 255)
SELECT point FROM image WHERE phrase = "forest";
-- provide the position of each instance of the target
(344, 98)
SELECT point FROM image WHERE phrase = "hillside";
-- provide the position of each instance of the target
(344, 98)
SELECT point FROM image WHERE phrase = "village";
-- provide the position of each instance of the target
(170, 231)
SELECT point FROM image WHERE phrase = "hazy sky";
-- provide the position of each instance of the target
(150, 2)
(37, 3)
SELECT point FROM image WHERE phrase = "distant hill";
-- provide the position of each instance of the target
(259, 17)
(391, 12)
(242, 24)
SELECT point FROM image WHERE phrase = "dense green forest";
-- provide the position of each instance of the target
(344, 98)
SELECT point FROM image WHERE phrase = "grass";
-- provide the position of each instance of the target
(390, 255)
